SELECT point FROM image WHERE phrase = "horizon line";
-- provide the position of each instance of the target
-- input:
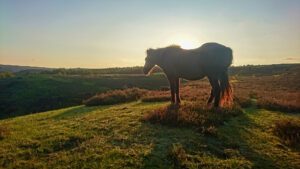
(135, 66)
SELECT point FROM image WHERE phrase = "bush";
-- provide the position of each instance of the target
(288, 131)
(191, 114)
(115, 96)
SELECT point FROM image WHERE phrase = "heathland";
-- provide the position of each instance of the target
(118, 118)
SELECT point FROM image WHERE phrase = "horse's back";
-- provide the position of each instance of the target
(215, 54)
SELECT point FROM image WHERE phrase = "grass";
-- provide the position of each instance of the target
(289, 131)
(155, 97)
(279, 92)
(116, 137)
(4, 131)
(32, 93)
(274, 87)
(192, 114)
(149, 133)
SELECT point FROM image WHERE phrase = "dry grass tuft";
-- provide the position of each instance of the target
(288, 131)
(280, 104)
(178, 155)
(4, 131)
(115, 96)
(279, 93)
(156, 96)
(191, 114)
(243, 101)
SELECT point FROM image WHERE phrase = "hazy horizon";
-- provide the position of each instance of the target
(103, 34)
(292, 63)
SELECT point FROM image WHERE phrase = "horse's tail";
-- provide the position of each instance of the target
(226, 89)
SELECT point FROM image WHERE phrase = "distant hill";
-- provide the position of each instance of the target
(264, 70)
(16, 69)
(274, 69)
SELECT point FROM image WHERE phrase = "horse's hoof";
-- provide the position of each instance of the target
(177, 105)
(217, 109)
(209, 106)
(174, 105)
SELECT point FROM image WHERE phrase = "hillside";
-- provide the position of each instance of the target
(27, 92)
(17, 68)
(116, 137)
(260, 130)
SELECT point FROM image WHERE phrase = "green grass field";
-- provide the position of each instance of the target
(265, 133)
(116, 137)
(25, 94)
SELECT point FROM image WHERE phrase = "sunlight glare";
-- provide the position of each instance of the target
(185, 44)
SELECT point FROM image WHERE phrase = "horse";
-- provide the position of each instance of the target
(210, 60)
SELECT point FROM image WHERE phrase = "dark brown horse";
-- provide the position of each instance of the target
(210, 60)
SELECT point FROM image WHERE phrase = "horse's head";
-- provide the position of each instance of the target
(157, 57)
(150, 61)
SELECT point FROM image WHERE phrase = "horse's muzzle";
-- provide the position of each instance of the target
(146, 71)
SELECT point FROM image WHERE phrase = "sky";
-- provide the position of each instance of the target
(115, 33)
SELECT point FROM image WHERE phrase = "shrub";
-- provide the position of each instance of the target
(115, 96)
(288, 131)
(191, 114)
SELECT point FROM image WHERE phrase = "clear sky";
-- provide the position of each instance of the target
(97, 34)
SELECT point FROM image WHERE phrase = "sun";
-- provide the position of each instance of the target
(185, 41)
(185, 44)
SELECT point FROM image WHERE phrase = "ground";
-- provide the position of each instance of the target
(116, 137)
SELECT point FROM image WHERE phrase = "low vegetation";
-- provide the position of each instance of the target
(178, 155)
(115, 96)
(127, 95)
(115, 137)
(6, 75)
(30, 91)
(156, 96)
(277, 92)
(4, 131)
(289, 131)
(141, 130)
(285, 104)
(192, 114)
(280, 94)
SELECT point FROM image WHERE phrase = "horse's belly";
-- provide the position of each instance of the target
(192, 75)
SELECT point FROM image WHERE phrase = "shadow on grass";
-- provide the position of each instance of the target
(237, 135)
(225, 149)
(77, 111)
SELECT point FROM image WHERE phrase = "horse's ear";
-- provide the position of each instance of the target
(149, 50)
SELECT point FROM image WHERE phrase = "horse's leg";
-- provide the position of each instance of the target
(215, 90)
(172, 86)
(177, 92)
(211, 97)
(217, 93)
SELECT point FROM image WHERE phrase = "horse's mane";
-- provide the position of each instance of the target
(174, 46)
